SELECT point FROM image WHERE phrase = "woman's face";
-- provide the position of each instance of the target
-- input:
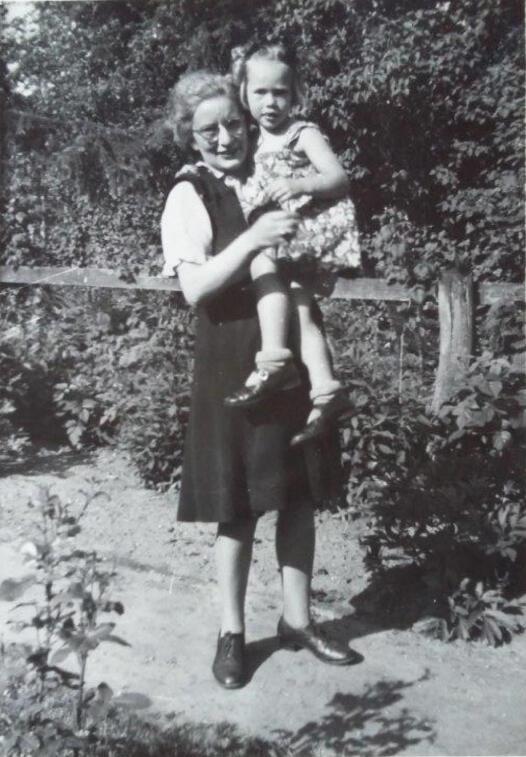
(220, 134)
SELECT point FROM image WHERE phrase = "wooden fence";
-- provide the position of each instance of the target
(457, 297)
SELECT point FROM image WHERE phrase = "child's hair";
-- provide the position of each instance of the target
(241, 56)
(189, 92)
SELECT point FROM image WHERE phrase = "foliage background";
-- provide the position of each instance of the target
(422, 100)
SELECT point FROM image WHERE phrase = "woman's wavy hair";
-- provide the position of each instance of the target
(241, 56)
(189, 92)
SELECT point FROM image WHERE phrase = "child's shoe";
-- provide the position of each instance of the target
(337, 408)
(262, 383)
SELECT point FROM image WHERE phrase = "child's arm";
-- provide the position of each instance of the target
(330, 181)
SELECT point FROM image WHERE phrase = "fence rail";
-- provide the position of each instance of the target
(457, 296)
(345, 289)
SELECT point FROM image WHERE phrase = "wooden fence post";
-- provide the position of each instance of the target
(455, 309)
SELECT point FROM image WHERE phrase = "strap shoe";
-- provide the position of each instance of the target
(262, 384)
(229, 663)
(336, 409)
(314, 639)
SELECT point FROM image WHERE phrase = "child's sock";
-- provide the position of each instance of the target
(320, 395)
(270, 360)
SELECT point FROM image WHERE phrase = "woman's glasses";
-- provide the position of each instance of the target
(234, 126)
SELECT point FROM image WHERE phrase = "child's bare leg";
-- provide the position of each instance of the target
(273, 303)
(314, 351)
(273, 308)
(274, 362)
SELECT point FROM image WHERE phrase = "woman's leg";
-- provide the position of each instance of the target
(233, 557)
(233, 554)
(295, 541)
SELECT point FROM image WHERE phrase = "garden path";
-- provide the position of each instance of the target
(410, 695)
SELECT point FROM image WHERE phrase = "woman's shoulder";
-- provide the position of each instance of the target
(191, 180)
(188, 191)
(189, 169)
(191, 172)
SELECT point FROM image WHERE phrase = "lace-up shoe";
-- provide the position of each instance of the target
(229, 663)
(315, 640)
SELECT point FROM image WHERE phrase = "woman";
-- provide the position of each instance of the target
(238, 463)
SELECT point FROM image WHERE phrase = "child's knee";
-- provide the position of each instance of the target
(263, 264)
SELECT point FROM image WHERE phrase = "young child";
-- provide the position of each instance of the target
(295, 168)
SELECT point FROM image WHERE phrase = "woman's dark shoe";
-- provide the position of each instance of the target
(312, 638)
(229, 662)
(336, 409)
(263, 384)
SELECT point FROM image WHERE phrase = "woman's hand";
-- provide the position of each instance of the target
(272, 228)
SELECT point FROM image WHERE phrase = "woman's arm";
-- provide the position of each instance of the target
(330, 181)
(186, 231)
(187, 239)
(199, 282)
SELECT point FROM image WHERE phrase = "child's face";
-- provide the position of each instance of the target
(269, 93)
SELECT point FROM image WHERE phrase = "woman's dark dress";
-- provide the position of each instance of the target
(238, 462)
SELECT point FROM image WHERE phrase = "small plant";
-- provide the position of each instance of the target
(83, 417)
(69, 597)
(507, 524)
(476, 612)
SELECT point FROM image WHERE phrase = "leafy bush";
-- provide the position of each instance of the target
(445, 490)
(14, 441)
(153, 383)
(475, 613)
(96, 369)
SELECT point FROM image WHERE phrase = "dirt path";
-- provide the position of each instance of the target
(409, 696)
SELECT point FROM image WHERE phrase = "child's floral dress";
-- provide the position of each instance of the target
(327, 238)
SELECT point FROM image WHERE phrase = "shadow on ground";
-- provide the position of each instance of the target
(54, 463)
(258, 652)
(361, 724)
(400, 596)
(370, 724)
(394, 599)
